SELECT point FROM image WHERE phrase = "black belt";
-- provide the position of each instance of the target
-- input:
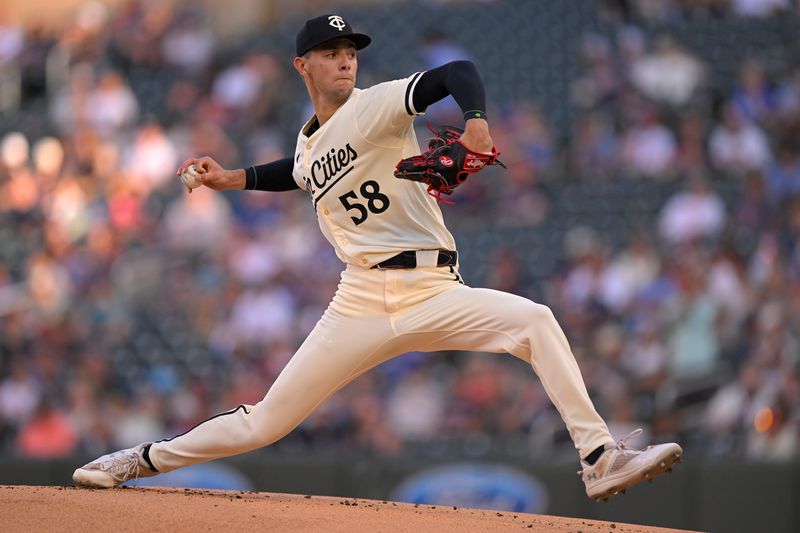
(408, 259)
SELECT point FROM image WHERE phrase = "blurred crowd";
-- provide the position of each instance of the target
(131, 310)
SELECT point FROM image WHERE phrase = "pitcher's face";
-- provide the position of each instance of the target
(331, 68)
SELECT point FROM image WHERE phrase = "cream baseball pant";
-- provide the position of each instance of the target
(376, 315)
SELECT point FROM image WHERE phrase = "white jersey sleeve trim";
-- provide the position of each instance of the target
(410, 94)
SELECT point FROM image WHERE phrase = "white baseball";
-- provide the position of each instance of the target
(190, 177)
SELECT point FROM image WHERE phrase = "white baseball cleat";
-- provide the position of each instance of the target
(620, 467)
(112, 470)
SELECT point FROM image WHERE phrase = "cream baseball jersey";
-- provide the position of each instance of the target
(347, 167)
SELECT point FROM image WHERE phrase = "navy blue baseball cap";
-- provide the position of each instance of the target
(322, 29)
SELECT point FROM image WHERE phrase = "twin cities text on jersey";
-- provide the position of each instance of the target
(328, 169)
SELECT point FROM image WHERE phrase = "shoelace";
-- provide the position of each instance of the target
(114, 466)
(622, 444)
(132, 471)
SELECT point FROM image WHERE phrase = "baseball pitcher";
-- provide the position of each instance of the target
(376, 199)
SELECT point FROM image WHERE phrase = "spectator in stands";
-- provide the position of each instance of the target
(48, 159)
(14, 152)
(197, 222)
(645, 359)
(144, 421)
(753, 209)
(438, 49)
(695, 212)
(728, 287)
(48, 434)
(758, 8)
(787, 97)
(69, 107)
(732, 408)
(20, 190)
(49, 286)
(752, 94)
(671, 74)
(506, 271)
(588, 256)
(415, 407)
(693, 344)
(531, 144)
(12, 38)
(148, 158)
(111, 105)
(20, 394)
(594, 151)
(237, 86)
(783, 173)
(692, 134)
(627, 273)
(600, 82)
(649, 148)
(190, 42)
(736, 145)
(773, 436)
(32, 61)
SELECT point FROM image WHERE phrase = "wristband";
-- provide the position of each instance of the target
(250, 178)
(474, 113)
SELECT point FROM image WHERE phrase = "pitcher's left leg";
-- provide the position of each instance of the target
(465, 318)
(480, 319)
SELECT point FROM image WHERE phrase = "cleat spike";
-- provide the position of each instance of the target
(662, 464)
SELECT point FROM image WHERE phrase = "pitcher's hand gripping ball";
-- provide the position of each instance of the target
(190, 178)
(446, 164)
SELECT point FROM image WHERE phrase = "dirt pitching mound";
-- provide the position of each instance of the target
(25, 508)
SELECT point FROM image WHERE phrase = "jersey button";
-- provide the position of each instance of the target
(327, 212)
(364, 261)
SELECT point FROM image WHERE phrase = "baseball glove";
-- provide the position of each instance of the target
(446, 164)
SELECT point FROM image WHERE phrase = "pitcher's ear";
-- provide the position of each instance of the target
(300, 65)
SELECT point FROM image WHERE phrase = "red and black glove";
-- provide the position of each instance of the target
(446, 164)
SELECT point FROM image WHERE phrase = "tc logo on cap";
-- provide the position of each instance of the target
(337, 22)
(325, 28)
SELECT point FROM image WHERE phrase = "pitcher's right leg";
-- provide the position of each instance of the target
(338, 350)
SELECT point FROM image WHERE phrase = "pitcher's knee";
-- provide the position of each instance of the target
(540, 321)
(267, 428)
(537, 313)
(266, 434)
(528, 315)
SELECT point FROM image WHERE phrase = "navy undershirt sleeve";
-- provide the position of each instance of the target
(459, 78)
(275, 176)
